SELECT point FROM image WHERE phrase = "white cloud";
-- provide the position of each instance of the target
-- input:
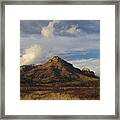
(47, 31)
(60, 44)
(31, 54)
(73, 29)
(92, 64)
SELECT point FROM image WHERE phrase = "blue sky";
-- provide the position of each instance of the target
(77, 41)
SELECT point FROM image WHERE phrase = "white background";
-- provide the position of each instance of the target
(104, 106)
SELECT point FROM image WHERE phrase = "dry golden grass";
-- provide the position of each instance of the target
(50, 96)
(85, 93)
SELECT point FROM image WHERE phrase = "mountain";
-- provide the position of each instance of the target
(58, 80)
(56, 69)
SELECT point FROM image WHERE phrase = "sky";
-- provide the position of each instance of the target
(76, 41)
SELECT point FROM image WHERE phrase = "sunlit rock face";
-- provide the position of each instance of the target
(87, 71)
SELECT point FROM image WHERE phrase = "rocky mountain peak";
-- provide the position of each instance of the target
(55, 59)
(56, 69)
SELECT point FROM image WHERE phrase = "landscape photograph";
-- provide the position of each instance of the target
(59, 59)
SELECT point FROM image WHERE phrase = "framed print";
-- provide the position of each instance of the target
(60, 60)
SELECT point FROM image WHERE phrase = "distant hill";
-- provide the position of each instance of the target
(55, 69)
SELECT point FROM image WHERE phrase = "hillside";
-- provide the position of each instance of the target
(59, 78)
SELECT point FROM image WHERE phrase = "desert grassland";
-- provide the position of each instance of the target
(65, 93)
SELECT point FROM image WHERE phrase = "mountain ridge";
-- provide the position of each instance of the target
(55, 69)
(58, 80)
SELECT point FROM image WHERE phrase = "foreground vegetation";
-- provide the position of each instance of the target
(69, 90)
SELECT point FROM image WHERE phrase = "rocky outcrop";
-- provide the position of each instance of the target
(55, 69)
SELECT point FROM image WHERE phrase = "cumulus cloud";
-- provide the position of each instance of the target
(92, 64)
(31, 54)
(48, 30)
(73, 29)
